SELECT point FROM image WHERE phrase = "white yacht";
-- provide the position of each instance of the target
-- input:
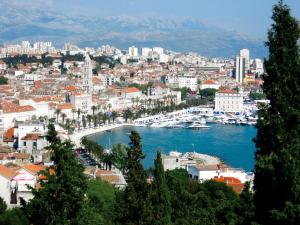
(199, 124)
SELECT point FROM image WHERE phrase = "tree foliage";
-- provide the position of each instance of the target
(60, 198)
(3, 80)
(160, 196)
(277, 169)
(131, 206)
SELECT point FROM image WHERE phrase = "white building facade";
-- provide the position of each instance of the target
(229, 101)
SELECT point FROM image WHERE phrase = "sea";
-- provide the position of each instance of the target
(231, 143)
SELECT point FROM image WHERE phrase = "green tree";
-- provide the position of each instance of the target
(13, 216)
(94, 108)
(246, 210)
(3, 80)
(114, 115)
(89, 119)
(131, 203)
(60, 198)
(63, 117)
(256, 96)
(160, 196)
(57, 112)
(277, 169)
(119, 152)
(127, 114)
(3, 206)
(83, 121)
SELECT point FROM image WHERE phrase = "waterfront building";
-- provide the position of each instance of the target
(82, 102)
(229, 101)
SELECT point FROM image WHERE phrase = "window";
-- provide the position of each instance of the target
(34, 144)
(24, 143)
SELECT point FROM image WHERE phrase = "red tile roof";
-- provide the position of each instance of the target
(131, 90)
(31, 137)
(65, 106)
(10, 107)
(34, 169)
(233, 182)
(209, 82)
(7, 172)
(9, 135)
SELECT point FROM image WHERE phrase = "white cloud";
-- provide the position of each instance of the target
(29, 4)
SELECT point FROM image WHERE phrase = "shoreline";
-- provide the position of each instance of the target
(78, 135)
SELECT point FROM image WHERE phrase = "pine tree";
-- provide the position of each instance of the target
(60, 198)
(277, 169)
(132, 202)
(160, 196)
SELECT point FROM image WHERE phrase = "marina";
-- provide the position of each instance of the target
(196, 117)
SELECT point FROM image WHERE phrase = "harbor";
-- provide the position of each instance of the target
(197, 118)
(231, 144)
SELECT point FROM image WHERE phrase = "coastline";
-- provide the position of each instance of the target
(78, 135)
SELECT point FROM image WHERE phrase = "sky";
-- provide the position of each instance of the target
(251, 17)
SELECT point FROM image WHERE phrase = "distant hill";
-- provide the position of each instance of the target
(185, 34)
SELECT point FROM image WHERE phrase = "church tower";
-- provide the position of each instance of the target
(87, 75)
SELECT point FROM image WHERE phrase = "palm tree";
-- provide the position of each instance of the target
(104, 118)
(104, 108)
(63, 116)
(114, 115)
(57, 112)
(109, 106)
(137, 100)
(83, 121)
(95, 120)
(78, 114)
(73, 112)
(89, 118)
(127, 114)
(94, 108)
(99, 116)
(98, 107)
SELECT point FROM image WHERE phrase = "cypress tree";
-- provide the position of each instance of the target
(60, 198)
(277, 169)
(132, 202)
(160, 196)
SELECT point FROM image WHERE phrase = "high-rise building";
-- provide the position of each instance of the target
(245, 53)
(242, 65)
(158, 50)
(88, 75)
(239, 69)
(133, 51)
(146, 52)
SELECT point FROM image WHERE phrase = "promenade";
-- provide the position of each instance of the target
(79, 134)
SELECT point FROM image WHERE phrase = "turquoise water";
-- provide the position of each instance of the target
(233, 144)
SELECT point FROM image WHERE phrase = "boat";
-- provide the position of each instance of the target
(199, 124)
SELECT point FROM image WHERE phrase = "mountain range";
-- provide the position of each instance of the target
(178, 34)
